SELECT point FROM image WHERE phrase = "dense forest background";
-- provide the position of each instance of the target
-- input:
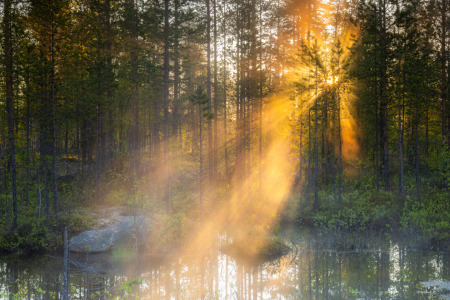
(327, 113)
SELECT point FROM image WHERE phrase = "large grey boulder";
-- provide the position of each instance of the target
(125, 229)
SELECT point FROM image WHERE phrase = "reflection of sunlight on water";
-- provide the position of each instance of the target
(311, 269)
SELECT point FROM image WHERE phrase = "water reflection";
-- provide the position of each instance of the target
(313, 270)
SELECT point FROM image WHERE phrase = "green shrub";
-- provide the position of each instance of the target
(33, 235)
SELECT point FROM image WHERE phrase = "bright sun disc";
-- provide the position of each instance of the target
(332, 80)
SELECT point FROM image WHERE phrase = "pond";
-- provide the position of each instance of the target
(378, 268)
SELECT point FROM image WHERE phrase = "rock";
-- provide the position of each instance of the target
(125, 229)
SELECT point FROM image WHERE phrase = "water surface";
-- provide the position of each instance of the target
(377, 268)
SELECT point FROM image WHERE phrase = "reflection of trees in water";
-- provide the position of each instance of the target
(312, 271)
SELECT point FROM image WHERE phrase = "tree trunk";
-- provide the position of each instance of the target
(237, 139)
(316, 146)
(225, 88)
(340, 150)
(416, 154)
(176, 72)
(261, 96)
(134, 19)
(53, 98)
(66, 264)
(443, 42)
(208, 90)
(200, 147)
(400, 128)
(216, 120)
(28, 132)
(109, 69)
(309, 156)
(166, 104)
(1, 169)
(384, 98)
(300, 153)
(9, 91)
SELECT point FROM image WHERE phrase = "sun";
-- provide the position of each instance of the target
(332, 80)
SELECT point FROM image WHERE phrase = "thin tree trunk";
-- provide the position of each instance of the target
(225, 88)
(309, 156)
(208, 90)
(39, 191)
(248, 135)
(201, 156)
(1, 169)
(261, 96)
(338, 95)
(216, 135)
(300, 153)
(384, 98)
(316, 146)
(324, 149)
(400, 152)
(340, 150)
(443, 42)
(400, 129)
(66, 264)
(134, 72)
(9, 91)
(416, 154)
(53, 97)
(238, 99)
(166, 104)
(28, 133)
(109, 92)
(376, 149)
(98, 156)
(176, 71)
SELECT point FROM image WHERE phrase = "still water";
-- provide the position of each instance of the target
(377, 268)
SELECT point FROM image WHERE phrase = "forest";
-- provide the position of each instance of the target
(224, 115)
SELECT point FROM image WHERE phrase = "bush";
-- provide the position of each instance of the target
(361, 210)
(427, 220)
(33, 235)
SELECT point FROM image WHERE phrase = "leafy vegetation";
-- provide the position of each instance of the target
(231, 115)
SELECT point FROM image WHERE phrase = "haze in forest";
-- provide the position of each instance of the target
(232, 118)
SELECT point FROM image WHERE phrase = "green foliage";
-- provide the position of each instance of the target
(80, 222)
(444, 169)
(124, 251)
(362, 209)
(32, 235)
(201, 99)
(127, 289)
(427, 220)
(366, 209)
